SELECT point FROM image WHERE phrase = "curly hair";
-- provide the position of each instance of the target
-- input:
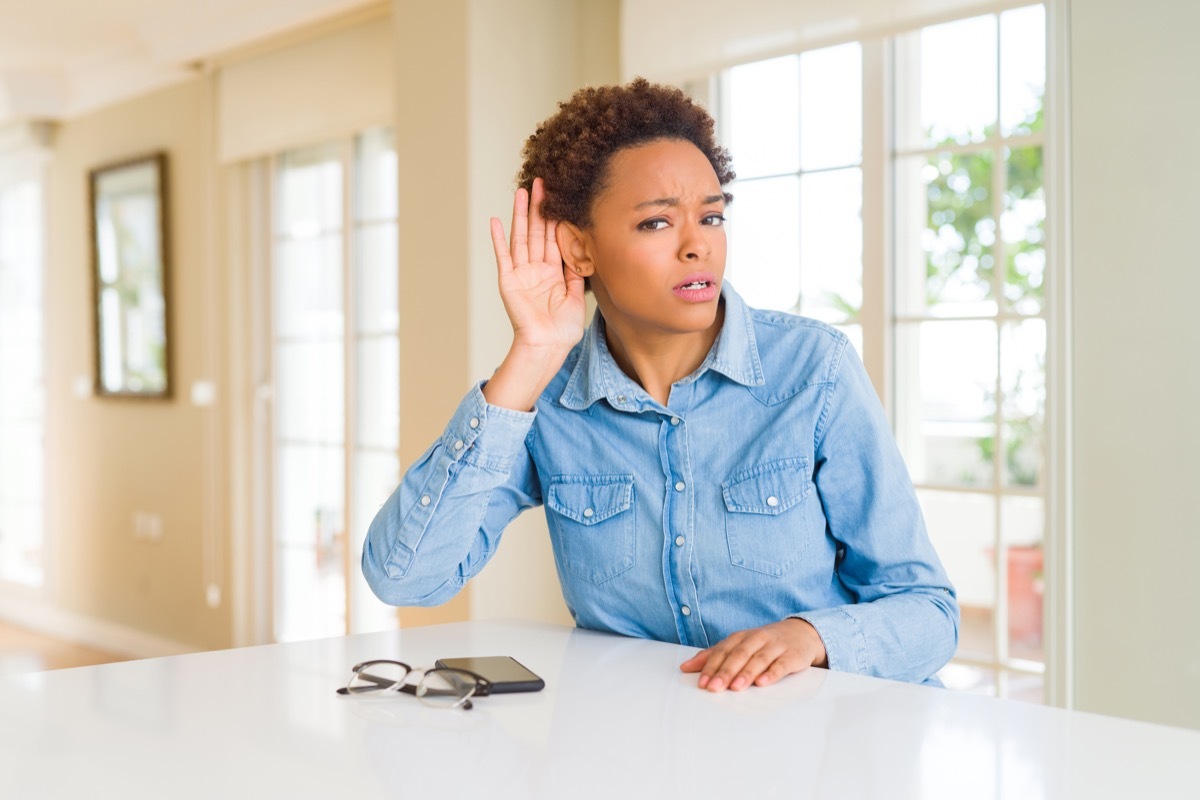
(571, 150)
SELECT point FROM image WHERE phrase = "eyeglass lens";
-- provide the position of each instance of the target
(442, 688)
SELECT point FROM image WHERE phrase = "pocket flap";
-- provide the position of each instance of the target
(769, 488)
(590, 499)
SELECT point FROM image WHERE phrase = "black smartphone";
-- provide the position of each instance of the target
(505, 673)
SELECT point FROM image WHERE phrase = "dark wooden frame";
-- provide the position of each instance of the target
(159, 162)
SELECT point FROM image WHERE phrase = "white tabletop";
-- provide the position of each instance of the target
(616, 720)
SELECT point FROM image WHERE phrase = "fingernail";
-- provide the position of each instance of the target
(716, 684)
(703, 681)
(738, 682)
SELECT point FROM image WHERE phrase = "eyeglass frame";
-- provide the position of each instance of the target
(482, 688)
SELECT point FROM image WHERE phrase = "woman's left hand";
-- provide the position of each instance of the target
(758, 656)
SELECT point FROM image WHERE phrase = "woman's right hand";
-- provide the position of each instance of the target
(543, 300)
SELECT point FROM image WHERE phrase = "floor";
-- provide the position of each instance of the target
(23, 650)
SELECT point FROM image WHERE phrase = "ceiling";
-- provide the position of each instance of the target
(61, 58)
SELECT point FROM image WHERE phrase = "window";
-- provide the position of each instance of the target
(335, 356)
(794, 128)
(966, 331)
(22, 394)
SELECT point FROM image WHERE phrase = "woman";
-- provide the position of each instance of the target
(713, 475)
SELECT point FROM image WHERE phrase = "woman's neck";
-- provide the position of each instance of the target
(657, 360)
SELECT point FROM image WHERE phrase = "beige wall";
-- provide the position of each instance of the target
(474, 78)
(188, 464)
(108, 457)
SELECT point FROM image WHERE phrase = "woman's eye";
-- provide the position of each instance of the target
(715, 220)
(653, 225)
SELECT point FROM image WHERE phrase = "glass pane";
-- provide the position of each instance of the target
(22, 394)
(946, 401)
(309, 401)
(763, 117)
(21, 528)
(764, 242)
(310, 192)
(308, 287)
(962, 527)
(1024, 687)
(1022, 524)
(831, 245)
(945, 235)
(1022, 69)
(831, 107)
(378, 278)
(377, 474)
(379, 392)
(1023, 228)
(946, 84)
(310, 597)
(378, 176)
(310, 482)
(1023, 382)
(855, 334)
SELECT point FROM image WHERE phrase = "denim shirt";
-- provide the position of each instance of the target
(769, 486)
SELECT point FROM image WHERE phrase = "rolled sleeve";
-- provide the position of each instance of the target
(431, 535)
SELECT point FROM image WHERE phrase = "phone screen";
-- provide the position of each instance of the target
(506, 673)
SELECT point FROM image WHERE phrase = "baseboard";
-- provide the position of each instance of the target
(88, 631)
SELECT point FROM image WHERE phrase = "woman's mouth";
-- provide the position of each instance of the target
(697, 288)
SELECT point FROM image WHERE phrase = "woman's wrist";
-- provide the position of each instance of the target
(525, 372)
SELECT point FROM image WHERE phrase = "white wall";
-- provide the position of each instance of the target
(1136, 411)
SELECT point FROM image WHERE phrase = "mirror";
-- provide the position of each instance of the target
(129, 271)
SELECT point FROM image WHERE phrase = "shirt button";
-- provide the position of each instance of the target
(679, 487)
(620, 398)
(424, 499)
(687, 612)
(772, 501)
(587, 512)
(674, 420)
(474, 422)
(458, 445)
(679, 540)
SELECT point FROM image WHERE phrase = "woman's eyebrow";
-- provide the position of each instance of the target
(674, 201)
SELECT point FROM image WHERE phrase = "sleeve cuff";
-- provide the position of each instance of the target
(844, 640)
(485, 435)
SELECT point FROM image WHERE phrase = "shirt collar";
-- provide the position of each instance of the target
(734, 354)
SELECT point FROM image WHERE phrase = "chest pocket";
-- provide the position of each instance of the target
(592, 522)
(766, 521)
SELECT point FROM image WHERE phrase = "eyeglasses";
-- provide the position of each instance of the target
(442, 688)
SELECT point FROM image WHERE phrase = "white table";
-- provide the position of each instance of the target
(616, 720)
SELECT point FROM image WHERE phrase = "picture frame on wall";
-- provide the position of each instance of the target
(130, 278)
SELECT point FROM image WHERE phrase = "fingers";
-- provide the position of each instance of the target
(738, 667)
(760, 656)
(503, 259)
(551, 253)
(520, 228)
(537, 225)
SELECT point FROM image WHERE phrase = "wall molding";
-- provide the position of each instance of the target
(88, 631)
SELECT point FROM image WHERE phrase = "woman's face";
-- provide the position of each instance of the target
(656, 244)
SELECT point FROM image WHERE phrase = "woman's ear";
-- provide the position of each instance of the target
(575, 248)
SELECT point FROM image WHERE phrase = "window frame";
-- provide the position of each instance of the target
(879, 317)
(351, 335)
(29, 162)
